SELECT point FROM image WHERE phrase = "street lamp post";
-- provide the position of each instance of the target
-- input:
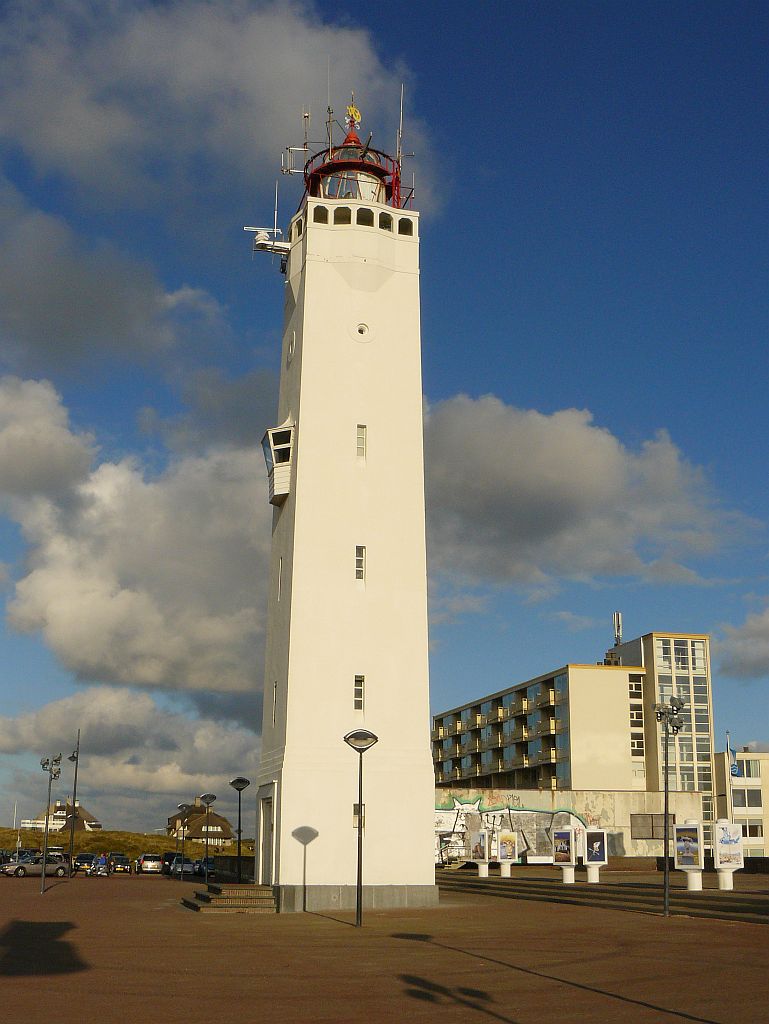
(75, 758)
(184, 808)
(670, 716)
(51, 765)
(239, 784)
(207, 799)
(360, 740)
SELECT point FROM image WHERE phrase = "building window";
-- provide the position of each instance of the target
(274, 701)
(681, 655)
(280, 576)
(366, 218)
(749, 769)
(361, 441)
(698, 656)
(635, 688)
(636, 718)
(385, 222)
(405, 226)
(650, 826)
(343, 215)
(746, 797)
(662, 653)
(752, 828)
(298, 227)
(359, 687)
(320, 215)
(360, 562)
(636, 746)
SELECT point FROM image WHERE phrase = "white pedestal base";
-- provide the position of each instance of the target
(694, 881)
(725, 880)
(568, 874)
(593, 873)
(483, 869)
(504, 868)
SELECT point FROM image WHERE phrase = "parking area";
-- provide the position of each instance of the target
(121, 949)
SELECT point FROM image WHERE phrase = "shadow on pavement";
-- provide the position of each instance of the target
(470, 998)
(420, 937)
(37, 947)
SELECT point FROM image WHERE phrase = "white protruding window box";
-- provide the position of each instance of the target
(278, 447)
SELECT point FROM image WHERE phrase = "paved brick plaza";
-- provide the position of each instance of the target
(123, 950)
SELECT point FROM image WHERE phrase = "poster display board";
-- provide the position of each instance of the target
(688, 846)
(479, 846)
(563, 846)
(595, 847)
(727, 849)
(508, 846)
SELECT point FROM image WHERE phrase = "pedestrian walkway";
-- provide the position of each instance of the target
(126, 952)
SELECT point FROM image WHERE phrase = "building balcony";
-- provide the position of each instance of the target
(544, 727)
(545, 698)
(493, 743)
(520, 732)
(543, 757)
(438, 733)
(471, 747)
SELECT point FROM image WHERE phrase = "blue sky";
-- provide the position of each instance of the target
(592, 184)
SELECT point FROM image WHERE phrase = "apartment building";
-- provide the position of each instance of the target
(744, 797)
(589, 727)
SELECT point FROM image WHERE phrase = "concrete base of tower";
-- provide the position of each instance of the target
(297, 898)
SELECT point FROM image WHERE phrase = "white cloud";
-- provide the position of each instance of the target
(517, 496)
(137, 580)
(127, 96)
(39, 453)
(130, 745)
(62, 300)
(744, 650)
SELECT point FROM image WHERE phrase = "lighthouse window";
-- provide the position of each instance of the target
(385, 222)
(361, 441)
(405, 226)
(320, 215)
(366, 218)
(357, 693)
(360, 562)
(343, 215)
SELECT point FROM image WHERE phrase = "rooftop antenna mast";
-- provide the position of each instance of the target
(329, 111)
(617, 620)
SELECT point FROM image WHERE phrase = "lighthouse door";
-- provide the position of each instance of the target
(266, 833)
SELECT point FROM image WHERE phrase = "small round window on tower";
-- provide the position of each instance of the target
(362, 329)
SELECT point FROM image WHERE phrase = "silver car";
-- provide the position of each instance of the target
(34, 866)
(149, 863)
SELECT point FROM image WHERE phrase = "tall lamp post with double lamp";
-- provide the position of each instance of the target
(207, 799)
(75, 758)
(51, 765)
(360, 740)
(239, 784)
(184, 809)
(670, 716)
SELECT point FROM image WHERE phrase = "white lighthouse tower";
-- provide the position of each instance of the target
(347, 622)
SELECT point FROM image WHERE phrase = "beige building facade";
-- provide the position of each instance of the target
(744, 797)
(590, 727)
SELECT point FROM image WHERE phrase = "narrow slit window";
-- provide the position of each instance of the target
(358, 692)
(280, 576)
(360, 562)
(274, 700)
(361, 441)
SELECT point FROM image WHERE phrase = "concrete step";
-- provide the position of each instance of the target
(643, 898)
(227, 889)
(243, 908)
(226, 901)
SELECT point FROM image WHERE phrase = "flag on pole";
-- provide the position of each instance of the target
(734, 769)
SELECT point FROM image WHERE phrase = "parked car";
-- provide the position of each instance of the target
(200, 867)
(149, 863)
(34, 866)
(83, 861)
(185, 867)
(118, 862)
(167, 858)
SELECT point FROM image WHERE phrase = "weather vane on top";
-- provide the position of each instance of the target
(353, 118)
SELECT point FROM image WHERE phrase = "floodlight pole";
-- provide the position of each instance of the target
(74, 756)
(51, 765)
(670, 716)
